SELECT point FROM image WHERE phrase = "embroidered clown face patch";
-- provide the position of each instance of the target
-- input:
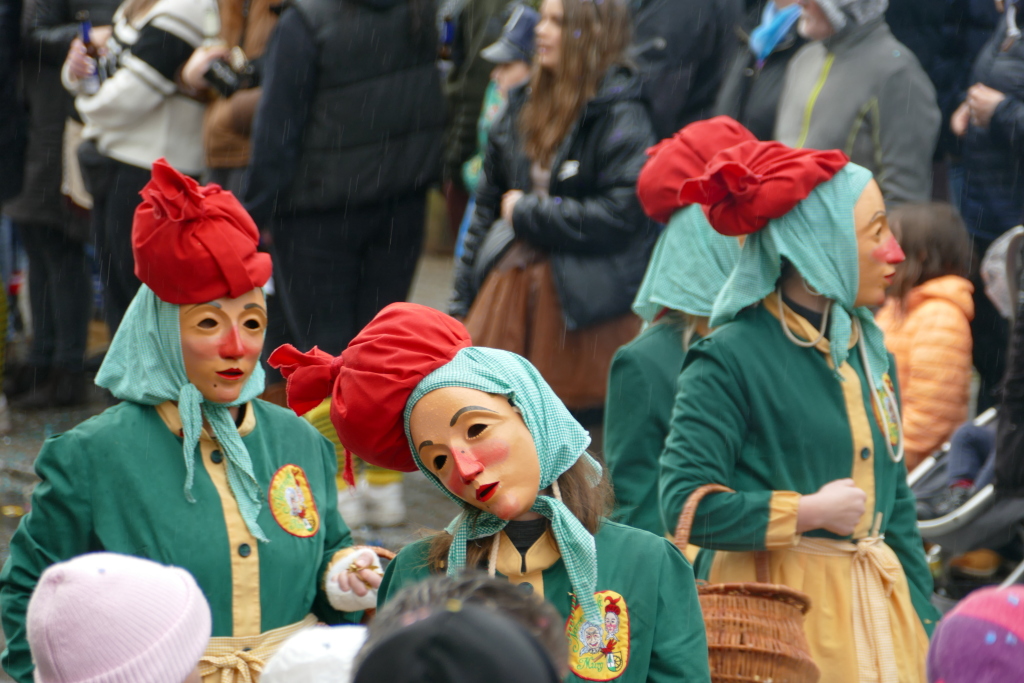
(292, 503)
(891, 420)
(599, 651)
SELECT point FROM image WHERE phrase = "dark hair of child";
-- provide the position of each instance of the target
(935, 241)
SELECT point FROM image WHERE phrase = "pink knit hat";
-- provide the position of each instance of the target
(107, 618)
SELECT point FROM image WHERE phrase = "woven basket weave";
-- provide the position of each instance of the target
(755, 630)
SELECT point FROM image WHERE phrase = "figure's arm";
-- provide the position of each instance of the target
(58, 527)
(146, 78)
(680, 648)
(337, 550)
(707, 431)
(908, 128)
(1007, 124)
(634, 435)
(50, 32)
(605, 221)
(491, 187)
(289, 80)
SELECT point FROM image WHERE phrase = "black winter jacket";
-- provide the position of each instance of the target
(682, 49)
(352, 111)
(49, 27)
(591, 223)
(994, 156)
(750, 94)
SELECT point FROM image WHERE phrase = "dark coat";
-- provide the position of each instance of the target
(591, 223)
(50, 27)
(682, 48)
(376, 117)
(13, 120)
(750, 94)
(994, 156)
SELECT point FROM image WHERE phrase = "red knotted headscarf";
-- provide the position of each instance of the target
(675, 160)
(370, 382)
(194, 244)
(749, 184)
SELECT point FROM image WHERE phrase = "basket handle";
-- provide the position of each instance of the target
(685, 526)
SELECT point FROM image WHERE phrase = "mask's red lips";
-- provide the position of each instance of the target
(486, 492)
(230, 373)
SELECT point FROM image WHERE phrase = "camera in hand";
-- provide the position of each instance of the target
(229, 75)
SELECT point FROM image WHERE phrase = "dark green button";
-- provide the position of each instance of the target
(216, 457)
(244, 550)
(865, 453)
(526, 587)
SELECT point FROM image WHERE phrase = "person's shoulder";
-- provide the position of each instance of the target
(412, 559)
(653, 341)
(613, 536)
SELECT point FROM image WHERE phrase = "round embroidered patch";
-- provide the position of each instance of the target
(292, 503)
(599, 652)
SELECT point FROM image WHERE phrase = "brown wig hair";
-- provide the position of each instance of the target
(587, 502)
(595, 35)
(935, 241)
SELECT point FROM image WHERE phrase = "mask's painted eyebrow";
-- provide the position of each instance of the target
(878, 214)
(248, 306)
(425, 444)
(208, 303)
(460, 411)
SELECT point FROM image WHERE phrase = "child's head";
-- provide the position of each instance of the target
(935, 242)
(107, 618)
(419, 600)
(322, 654)
(981, 640)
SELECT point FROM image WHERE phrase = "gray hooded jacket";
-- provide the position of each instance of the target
(864, 92)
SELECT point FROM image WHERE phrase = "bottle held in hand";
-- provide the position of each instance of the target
(91, 83)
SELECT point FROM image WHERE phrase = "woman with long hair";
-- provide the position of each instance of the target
(483, 426)
(137, 114)
(558, 243)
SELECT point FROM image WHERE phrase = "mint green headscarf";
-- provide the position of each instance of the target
(560, 442)
(688, 267)
(144, 365)
(819, 238)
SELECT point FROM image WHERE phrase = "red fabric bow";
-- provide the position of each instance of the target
(370, 383)
(194, 244)
(675, 160)
(752, 183)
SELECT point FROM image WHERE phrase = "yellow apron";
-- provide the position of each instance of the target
(241, 660)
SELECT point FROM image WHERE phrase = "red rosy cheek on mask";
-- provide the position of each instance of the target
(889, 252)
(490, 452)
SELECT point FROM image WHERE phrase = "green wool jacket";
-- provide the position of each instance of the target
(638, 409)
(761, 415)
(660, 636)
(115, 483)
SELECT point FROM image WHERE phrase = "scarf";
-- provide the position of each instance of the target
(775, 24)
(819, 238)
(560, 442)
(688, 267)
(144, 365)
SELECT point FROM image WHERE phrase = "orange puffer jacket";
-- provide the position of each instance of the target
(931, 340)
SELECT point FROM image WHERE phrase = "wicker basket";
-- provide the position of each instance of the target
(755, 630)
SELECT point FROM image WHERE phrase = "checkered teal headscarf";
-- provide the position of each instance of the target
(688, 267)
(819, 238)
(560, 442)
(144, 365)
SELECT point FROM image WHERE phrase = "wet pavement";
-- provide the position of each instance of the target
(428, 509)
